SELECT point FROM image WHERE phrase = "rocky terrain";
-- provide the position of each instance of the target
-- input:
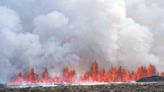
(151, 79)
(122, 87)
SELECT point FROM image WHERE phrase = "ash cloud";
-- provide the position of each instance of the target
(73, 33)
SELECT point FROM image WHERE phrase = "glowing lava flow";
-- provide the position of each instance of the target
(115, 74)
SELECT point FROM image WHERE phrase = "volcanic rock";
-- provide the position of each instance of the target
(120, 87)
(151, 79)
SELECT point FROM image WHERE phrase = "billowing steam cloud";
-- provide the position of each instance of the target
(57, 33)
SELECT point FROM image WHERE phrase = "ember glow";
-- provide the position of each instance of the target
(96, 74)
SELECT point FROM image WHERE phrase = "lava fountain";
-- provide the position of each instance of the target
(114, 74)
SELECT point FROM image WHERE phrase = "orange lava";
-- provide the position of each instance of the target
(114, 74)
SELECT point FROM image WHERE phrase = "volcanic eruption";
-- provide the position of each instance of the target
(80, 41)
(114, 74)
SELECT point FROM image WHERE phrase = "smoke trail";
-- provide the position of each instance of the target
(59, 33)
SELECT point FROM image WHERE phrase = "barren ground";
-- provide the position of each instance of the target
(126, 87)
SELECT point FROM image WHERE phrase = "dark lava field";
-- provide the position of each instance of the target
(122, 87)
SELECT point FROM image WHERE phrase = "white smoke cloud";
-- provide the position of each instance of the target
(59, 33)
(135, 42)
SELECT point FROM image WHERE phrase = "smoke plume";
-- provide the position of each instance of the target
(57, 33)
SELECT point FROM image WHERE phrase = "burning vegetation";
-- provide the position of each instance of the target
(114, 74)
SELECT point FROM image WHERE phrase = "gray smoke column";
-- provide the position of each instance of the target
(57, 33)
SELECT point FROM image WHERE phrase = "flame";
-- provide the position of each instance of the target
(115, 74)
